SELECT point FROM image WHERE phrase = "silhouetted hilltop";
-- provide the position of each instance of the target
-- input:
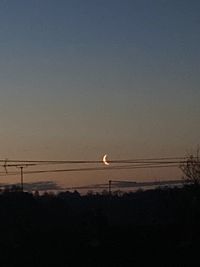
(100, 229)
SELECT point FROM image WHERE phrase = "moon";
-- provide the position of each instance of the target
(105, 160)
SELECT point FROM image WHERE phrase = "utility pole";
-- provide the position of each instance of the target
(19, 166)
(109, 187)
(22, 178)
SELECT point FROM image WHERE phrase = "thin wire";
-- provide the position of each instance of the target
(121, 167)
(110, 162)
(90, 161)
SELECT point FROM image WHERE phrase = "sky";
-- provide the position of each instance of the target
(80, 79)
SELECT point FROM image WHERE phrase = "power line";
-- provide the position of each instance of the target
(128, 164)
(120, 167)
(137, 163)
(92, 161)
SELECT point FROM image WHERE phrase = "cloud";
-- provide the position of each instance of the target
(51, 185)
(40, 186)
(125, 184)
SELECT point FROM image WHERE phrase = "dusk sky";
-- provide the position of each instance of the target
(84, 78)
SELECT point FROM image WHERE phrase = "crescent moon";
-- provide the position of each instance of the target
(105, 160)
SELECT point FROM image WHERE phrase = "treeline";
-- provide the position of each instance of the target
(129, 229)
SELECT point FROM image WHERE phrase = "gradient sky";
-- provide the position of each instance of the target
(79, 79)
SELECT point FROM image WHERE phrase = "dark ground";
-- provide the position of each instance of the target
(158, 227)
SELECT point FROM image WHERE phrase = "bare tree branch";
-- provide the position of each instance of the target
(191, 169)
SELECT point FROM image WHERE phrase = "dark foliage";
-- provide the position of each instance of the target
(191, 169)
(159, 226)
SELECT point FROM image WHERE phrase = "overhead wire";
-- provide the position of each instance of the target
(5, 161)
(159, 162)
(120, 167)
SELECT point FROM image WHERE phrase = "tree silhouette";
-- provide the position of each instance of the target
(191, 169)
